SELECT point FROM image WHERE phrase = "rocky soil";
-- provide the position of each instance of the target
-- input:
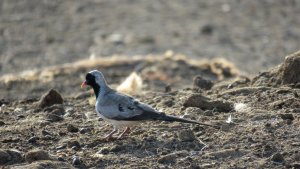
(48, 121)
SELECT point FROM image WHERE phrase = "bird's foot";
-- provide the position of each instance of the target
(110, 135)
(126, 131)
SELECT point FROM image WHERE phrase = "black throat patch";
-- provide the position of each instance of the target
(97, 89)
(90, 79)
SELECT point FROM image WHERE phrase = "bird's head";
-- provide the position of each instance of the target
(96, 80)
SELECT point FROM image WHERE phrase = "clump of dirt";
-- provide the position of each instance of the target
(45, 164)
(262, 132)
(202, 83)
(50, 98)
(290, 69)
(286, 73)
(197, 100)
(9, 157)
(36, 155)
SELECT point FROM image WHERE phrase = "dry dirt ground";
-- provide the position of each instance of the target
(258, 116)
(254, 35)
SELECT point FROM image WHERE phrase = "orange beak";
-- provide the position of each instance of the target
(83, 84)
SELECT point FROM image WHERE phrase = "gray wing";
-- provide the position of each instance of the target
(118, 106)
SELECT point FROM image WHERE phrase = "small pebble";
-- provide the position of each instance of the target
(75, 148)
(32, 139)
(168, 89)
(104, 151)
(36, 155)
(268, 125)
(2, 123)
(60, 133)
(207, 29)
(61, 159)
(48, 137)
(289, 121)
(76, 160)
(277, 157)
(83, 130)
(45, 132)
(202, 83)
(61, 147)
(287, 116)
(72, 143)
(72, 128)
(21, 116)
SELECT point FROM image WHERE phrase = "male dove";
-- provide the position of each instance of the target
(122, 110)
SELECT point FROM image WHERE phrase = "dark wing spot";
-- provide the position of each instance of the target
(130, 108)
(121, 109)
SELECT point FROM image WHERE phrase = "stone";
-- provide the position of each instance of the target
(277, 157)
(72, 143)
(2, 123)
(72, 128)
(61, 147)
(289, 71)
(201, 83)
(4, 157)
(168, 88)
(50, 98)
(8, 157)
(104, 151)
(76, 161)
(207, 29)
(83, 130)
(287, 116)
(204, 103)
(36, 155)
(32, 139)
(45, 164)
(75, 148)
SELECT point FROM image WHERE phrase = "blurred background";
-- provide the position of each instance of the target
(254, 35)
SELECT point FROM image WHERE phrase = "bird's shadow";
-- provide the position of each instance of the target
(152, 146)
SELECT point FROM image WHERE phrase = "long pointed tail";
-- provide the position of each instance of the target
(170, 118)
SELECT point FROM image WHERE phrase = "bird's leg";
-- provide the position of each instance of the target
(110, 135)
(127, 130)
